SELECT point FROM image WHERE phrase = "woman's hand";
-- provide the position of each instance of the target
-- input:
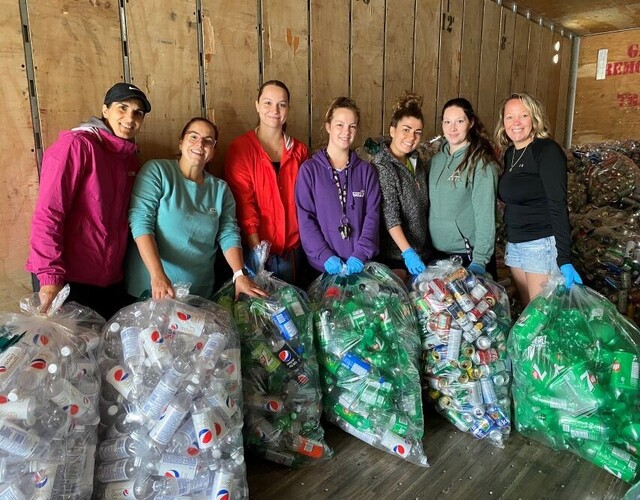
(246, 285)
(161, 286)
(46, 294)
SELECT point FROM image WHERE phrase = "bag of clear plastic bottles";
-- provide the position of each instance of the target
(464, 321)
(282, 397)
(171, 402)
(575, 369)
(49, 390)
(368, 342)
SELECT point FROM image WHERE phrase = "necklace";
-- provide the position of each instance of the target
(513, 158)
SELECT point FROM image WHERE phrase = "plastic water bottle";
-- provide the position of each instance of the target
(164, 429)
(123, 469)
(133, 445)
(163, 393)
(185, 440)
(144, 487)
(31, 377)
(210, 352)
(11, 360)
(158, 354)
(19, 442)
(223, 481)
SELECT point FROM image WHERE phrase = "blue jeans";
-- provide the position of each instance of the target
(536, 256)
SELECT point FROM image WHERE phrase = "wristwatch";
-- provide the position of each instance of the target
(240, 272)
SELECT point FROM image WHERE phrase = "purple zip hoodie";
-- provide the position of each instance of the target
(320, 213)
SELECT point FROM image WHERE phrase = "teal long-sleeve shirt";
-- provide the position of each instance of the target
(189, 221)
(472, 207)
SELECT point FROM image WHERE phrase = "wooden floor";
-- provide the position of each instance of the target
(462, 467)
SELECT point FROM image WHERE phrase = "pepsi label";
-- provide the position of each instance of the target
(223, 401)
(166, 427)
(396, 444)
(286, 355)
(205, 431)
(282, 319)
(221, 489)
(178, 466)
(187, 319)
(69, 398)
(154, 344)
(121, 380)
(118, 490)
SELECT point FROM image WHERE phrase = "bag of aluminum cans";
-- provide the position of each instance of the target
(464, 321)
(171, 402)
(282, 398)
(49, 390)
(575, 371)
(369, 342)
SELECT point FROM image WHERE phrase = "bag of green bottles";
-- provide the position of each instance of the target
(464, 321)
(282, 398)
(575, 369)
(368, 343)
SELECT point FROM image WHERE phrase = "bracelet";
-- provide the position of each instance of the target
(238, 273)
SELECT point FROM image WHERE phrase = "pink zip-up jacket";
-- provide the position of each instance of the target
(79, 228)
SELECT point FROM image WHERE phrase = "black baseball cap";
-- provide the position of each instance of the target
(123, 91)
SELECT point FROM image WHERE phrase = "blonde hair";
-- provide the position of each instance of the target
(539, 120)
(342, 102)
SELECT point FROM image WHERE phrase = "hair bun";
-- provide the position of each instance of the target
(408, 100)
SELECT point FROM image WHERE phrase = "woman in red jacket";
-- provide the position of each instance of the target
(261, 167)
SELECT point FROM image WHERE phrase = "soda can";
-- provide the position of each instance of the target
(501, 379)
(473, 392)
(624, 371)
(460, 295)
(438, 288)
(478, 310)
(282, 319)
(430, 341)
(444, 402)
(439, 352)
(459, 274)
(498, 415)
(453, 347)
(483, 343)
(473, 333)
(478, 291)
(486, 357)
(421, 305)
(467, 351)
(460, 419)
(466, 364)
(463, 378)
(437, 382)
(474, 373)
(442, 324)
(488, 391)
(481, 427)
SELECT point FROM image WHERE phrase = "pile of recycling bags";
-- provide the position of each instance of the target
(282, 398)
(49, 386)
(369, 345)
(171, 402)
(464, 321)
(575, 369)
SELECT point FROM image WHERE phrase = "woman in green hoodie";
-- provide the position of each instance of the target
(463, 176)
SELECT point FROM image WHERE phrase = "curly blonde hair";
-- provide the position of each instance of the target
(407, 105)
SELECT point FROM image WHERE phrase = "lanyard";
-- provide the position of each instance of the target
(344, 228)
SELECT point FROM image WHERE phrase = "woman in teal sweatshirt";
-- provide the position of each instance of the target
(463, 176)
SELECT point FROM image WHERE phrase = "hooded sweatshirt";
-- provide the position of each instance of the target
(458, 206)
(79, 228)
(320, 211)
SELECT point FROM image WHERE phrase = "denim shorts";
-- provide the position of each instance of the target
(537, 256)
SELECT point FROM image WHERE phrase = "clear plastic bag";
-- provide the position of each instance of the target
(50, 384)
(465, 319)
(368, 342)
(575, 367)
(280, 370)
(171, 401)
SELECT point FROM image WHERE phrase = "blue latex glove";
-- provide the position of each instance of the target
(476, 268)
(333, 265)
(413, 261)
(253, 261)
(570, 274)
(354, 265)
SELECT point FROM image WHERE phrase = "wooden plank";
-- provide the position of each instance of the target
(553, 85)
(544, 66)
(285, 51)
(533, 59)
(367, 67)
(489, 60)
(18, 175)
(563, 90)
(329, 60)
(470, 53)
(450, 46)
(398, 52)
(163, 49)
(77, 56)
(608, 109)
(232, 70)
(427, 42)
(505, 60)
(520, 51)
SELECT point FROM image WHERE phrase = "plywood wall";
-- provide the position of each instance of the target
(212, 61)
(608, 109)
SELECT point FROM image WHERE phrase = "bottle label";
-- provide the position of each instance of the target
(178, 466)
(187, 319)
(10, 361)
(158, 400)
(70, 399)
(114, 449)
(130, 344)
(154, 344)
(112, 471)
(15, 410)
(223, 401)
(282, 319)
(205, 431)
(219, 425)
(17, 441)
(121, 380)
(396, 444)
(264, 356)
(356, 365)
(168, 424)
(122, 489)
(367, 437)
(213, 348)
(222, 485)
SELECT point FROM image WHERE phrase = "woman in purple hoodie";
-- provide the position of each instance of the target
(79, 228)
(338, 198)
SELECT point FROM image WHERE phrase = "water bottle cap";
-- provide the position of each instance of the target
(65, 350)
(52, 368)
(195, 379)
(114, 327)
(12, 396)
(215, 453)
(112, 410)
